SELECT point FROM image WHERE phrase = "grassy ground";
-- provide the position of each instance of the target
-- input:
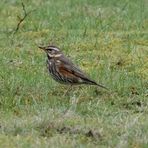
(109, 40)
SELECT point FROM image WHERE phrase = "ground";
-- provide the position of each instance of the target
(108, 39)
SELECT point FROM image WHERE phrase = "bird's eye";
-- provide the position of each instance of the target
(49, 49)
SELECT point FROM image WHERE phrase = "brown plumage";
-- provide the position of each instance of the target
(63, 70)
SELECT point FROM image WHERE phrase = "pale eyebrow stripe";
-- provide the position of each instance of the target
(54, 48)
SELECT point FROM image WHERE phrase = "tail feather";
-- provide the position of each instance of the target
(94, 83)
(102, 86)
(88, 81)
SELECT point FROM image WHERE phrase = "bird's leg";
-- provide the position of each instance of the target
(66, 92)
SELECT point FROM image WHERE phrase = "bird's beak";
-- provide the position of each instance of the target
(43, 48)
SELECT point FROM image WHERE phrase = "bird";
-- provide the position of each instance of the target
(63, 70)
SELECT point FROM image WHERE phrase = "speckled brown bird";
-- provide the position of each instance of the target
(63, 70)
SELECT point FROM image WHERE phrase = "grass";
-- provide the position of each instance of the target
(109, 40)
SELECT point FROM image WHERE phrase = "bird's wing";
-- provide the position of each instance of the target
(67, 65)
(70, 70)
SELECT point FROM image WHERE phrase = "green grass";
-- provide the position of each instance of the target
(109, 40)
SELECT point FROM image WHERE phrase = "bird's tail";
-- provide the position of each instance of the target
(94, 83)
(102, 86)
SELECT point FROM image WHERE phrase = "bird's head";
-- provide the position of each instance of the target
(52, 51)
